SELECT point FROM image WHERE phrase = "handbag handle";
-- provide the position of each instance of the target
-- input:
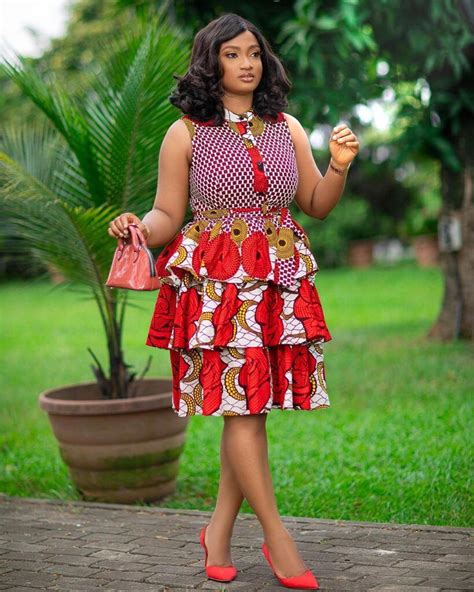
(138, 240)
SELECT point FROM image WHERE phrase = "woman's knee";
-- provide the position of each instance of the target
(250, 424)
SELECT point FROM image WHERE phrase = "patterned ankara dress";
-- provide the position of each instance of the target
(238, 308)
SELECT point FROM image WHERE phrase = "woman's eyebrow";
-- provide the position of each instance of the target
(237, 47)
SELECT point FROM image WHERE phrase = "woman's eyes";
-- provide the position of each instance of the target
(233, 53)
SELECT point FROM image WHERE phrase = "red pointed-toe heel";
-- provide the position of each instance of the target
(220, 573)
(305, 581)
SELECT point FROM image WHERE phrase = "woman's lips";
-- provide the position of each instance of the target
(246, 78)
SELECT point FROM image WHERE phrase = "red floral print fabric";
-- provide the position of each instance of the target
(218, 314)
(247, 381)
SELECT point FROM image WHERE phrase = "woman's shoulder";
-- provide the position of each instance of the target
(291, 120)
(297, 131)
(193, 123)
(177, 138)
(177, 130)
(183, 128)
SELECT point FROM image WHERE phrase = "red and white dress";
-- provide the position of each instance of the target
(238, 308)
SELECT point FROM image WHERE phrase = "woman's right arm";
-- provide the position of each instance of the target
(172, 194)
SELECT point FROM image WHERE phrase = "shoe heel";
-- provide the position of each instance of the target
(305, 581)
(219, 573)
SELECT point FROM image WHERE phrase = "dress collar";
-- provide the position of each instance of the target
(245, 116)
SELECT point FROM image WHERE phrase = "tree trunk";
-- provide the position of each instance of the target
(456, 318)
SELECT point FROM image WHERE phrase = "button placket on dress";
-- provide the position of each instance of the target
(245, 124)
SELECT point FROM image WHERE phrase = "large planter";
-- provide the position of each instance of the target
(119, 451)
(361, 252)
(426, 250)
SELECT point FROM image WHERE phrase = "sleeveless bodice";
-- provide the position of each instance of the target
(242, 178)
(221, 174)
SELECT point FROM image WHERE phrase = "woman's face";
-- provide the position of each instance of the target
(239, 57)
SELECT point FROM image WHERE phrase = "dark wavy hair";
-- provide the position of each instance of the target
(198, 93)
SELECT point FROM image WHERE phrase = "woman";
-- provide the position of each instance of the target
(237, 305)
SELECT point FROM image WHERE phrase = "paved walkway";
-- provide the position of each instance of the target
(67, 546)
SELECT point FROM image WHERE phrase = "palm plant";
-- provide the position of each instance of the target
(93, 159)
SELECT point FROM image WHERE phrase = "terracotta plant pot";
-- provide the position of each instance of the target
(426, 250)
(119, 451)
(361, 252)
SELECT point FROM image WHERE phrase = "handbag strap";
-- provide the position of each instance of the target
(138, 240)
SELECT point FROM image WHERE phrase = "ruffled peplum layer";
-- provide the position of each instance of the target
(238, 245)
(211, 314)
(245, 381)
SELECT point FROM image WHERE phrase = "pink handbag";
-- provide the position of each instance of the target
(133, 265)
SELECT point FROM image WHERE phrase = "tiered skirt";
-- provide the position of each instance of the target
(243, 321)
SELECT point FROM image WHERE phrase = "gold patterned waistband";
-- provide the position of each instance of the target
(222, 212)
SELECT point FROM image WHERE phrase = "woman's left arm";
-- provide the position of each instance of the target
(317, 195)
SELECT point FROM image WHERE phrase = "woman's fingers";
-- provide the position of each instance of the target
(344, 131)
(345, 138)
(115, 229)
(118, 227)
(122, 221)
(129, 218)
(338, 131)
(339, 128)
(344, 135)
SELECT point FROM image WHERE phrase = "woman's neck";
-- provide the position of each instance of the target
(238, 113)
(238, 107)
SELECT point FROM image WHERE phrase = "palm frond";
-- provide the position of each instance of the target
(63, 114)
(127, 125)
(71, 237)
(61, 186)
(40, 153)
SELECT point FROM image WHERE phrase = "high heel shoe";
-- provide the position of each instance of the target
(305, 581)
(220, 573)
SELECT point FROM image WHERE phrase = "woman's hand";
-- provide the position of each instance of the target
(343, 145)
(119, 226)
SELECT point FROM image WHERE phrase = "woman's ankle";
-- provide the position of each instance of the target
(276, 533)
(223, 531)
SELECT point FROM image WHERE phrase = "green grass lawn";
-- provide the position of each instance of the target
(395, 445)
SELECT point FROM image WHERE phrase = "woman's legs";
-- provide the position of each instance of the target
(245, 454)
(229, 500)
